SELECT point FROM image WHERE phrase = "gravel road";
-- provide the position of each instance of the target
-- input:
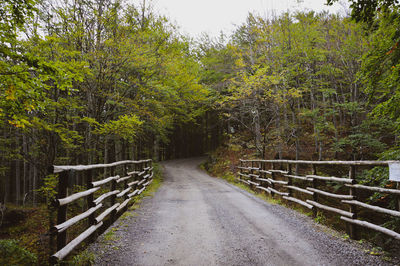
(195, 219)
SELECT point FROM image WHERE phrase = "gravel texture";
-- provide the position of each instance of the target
(195, 219)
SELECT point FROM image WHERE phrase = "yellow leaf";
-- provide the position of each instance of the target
(10, 94)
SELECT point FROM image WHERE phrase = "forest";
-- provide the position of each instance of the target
(99, 81)
(86, 82)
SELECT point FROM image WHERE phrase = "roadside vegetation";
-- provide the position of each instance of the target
(25, 238)
(84, 82)
(223, 163)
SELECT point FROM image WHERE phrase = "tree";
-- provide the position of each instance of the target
(366, 10)
(380, 68)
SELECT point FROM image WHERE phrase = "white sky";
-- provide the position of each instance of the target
(212, 16)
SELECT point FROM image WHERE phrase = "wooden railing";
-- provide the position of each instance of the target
(112, 193)
(281, 177)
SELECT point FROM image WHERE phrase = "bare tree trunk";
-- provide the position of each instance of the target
(7, 186)
(279, 129)
(257, 131)
(296, 135)
(34, 183)
(105, 154)
(156, 156)
(117, 151)
(30, 181)
(321, 144)
(25, 166)
(335, 124)
(320, 151)
(316, 133)
(17, 178)
(133, 151)
(124, 149)
(88, 142)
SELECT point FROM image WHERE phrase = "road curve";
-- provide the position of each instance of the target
(195, 219)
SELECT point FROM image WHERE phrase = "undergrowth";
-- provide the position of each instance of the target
(24, 237)
(11, 253)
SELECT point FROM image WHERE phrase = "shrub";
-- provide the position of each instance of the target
(12, 254)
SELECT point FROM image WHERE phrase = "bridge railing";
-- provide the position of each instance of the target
(109, 190)
(300, 182)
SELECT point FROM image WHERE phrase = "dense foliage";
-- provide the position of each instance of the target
(299, 84)
(99, 81)
(88, 82)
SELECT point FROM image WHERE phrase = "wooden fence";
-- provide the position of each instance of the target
(120, 182)
(281, 177)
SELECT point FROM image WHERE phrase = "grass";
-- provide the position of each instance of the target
(125, 215)
(110, 235)
(346, 237)
(320, 218)
(83, 259)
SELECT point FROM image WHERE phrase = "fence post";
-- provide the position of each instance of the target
(241, 169)
(113, 197)
(352, 228)
(137, 170)
(62, 210)
(314, 185)
(125, 173)
(252, 173)
(289, 179)
(142, 165)
(398, 197)
(150, 165)
(145, 172)
(272, 177)
(90, 198)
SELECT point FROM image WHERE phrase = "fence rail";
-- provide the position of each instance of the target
(116, 190)
(308, 189)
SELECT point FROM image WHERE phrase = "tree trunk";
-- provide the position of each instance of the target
(25, 166)
(279, 129)
(17, 180)
(105, 158)
(257, 131)
(156, 153)
(34, 183)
